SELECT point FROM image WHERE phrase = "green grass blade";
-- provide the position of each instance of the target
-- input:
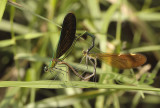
(2, 8)
(145, 49)
(74, 84)
(5, 43)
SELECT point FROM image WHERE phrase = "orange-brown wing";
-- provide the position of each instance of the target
(122, 61)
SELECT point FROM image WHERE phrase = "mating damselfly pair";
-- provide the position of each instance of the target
(67, 41)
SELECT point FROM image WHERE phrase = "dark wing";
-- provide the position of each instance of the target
(122, 61)
(67, 34)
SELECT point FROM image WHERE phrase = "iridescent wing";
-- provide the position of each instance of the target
(67, 36)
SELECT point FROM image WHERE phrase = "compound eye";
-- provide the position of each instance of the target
(45, 68)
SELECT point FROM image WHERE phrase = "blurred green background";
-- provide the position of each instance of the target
(30, 30)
